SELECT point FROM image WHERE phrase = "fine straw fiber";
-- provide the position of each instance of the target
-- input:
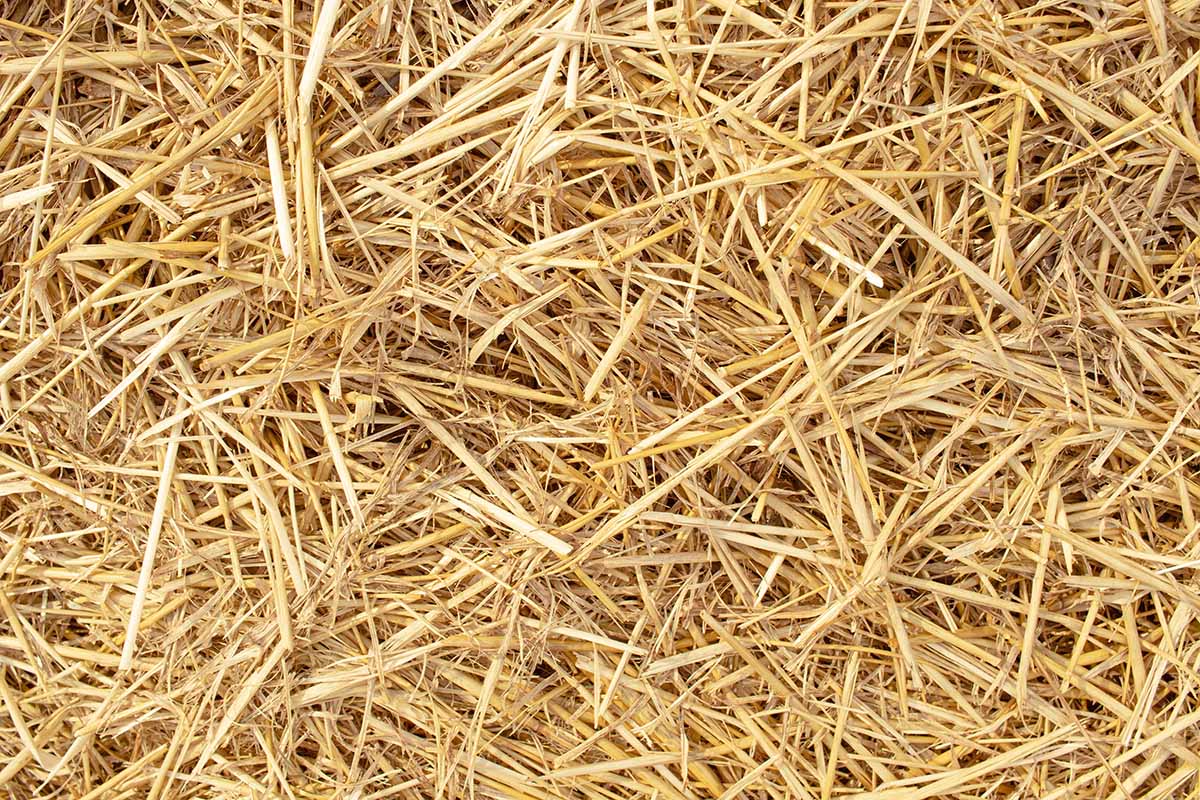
(599, 399)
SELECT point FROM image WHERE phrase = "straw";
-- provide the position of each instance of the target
(590, 399)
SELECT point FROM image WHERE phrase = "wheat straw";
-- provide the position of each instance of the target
(599, 399)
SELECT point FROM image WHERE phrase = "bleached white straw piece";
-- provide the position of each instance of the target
(322, 33)
(24, 197)
(871, 276)
(279, 193)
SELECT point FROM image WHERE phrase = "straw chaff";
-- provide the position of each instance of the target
(599, 399)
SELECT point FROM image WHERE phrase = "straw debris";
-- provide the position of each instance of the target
(599, 399)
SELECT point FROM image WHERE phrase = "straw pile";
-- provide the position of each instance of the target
(599, 399)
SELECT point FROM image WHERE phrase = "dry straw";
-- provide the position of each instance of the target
(599, 399)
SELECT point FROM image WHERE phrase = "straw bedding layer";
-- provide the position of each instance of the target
(599, 399)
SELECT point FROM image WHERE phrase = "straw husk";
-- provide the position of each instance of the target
(599, 399)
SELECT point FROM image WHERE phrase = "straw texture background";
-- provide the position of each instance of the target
(600, 399)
